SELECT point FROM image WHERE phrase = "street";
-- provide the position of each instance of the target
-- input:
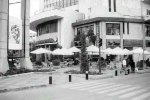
(127, 87)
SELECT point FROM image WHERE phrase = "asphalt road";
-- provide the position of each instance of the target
(127, 87)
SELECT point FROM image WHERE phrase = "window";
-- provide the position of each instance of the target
(128, 29)
(114, 5)
(123, 28)
(109, 4)
(48, 27)
(148, 12)
(112, 29)
(148, 30)
(97, 28)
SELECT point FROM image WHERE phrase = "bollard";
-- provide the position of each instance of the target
(116, 73)
(50, 79)
(128, 71)
(87, 77)
(69, 78)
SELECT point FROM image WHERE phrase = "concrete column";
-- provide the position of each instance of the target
(3, 35)
(25, 15)
(121, 35)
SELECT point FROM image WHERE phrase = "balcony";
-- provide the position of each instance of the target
(45, 16)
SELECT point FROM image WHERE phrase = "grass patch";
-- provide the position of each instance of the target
(78, 72)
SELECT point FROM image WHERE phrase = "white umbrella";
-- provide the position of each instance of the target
(93, 53)
(62, 51)
(56, 52)
(108, 50)
(92, 48)
(40, 51)
(140, 51)
(65, 51)
(117, 51)
(74, 49)
(127, 52)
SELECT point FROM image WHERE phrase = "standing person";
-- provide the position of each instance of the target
(124, 63)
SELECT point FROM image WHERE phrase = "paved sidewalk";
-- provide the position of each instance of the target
(41, 79)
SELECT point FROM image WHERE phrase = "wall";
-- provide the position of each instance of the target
(100, 8)
(135, 31)
(67, 32)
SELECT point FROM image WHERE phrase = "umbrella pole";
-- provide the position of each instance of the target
(99, 60)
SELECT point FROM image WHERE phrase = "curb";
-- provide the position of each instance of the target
(97, 77)
(22, 88)
(10, 76)
(143, 72)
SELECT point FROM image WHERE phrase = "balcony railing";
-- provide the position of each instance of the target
(57, 5)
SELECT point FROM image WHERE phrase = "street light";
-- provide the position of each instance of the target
(99, 45)
(143, 31)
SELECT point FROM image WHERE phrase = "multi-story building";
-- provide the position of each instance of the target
(124, 23)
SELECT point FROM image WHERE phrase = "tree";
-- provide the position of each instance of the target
(84, 60)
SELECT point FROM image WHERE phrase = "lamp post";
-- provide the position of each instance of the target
(143, 31)
(99, 45)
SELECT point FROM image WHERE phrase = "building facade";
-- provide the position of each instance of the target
(4, 32)
(124, 23)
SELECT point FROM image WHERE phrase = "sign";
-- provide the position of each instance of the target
(15, 34)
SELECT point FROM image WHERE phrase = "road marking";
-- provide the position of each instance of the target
(143, 96)
(114, 89)
(104, 88)
(133, 93)
(76, 84)
(97, 86)
(123, 91)
(87, 85)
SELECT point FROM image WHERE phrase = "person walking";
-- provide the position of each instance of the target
(124, 63)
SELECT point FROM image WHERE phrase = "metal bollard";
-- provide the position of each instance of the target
(128, 71)
(69, 78)
(87, 77)
(116, 73)
(50, 79)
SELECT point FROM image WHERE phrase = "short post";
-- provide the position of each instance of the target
(128, 71)
(87, 77)
(50, 79)
(69, 77)
(116, 73)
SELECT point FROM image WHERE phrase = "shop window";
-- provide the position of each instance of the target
(89, 33)
(109, 5)
(148, 12)
(148, 31)
(48, 27)
(113, 43)
(112, 29)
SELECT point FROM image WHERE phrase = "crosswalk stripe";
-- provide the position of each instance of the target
(76, 84)
(97, 86)
(104, 88)
(141, 97)
(114, 89)
(123, 91)
(87, 85)
(133, 93)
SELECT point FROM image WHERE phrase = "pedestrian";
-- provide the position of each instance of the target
(124, 63)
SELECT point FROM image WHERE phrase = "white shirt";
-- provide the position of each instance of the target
(124, 62)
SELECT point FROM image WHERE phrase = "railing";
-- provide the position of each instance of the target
(56, 6)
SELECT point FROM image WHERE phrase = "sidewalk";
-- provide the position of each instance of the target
(146, 70)
(41, 79)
